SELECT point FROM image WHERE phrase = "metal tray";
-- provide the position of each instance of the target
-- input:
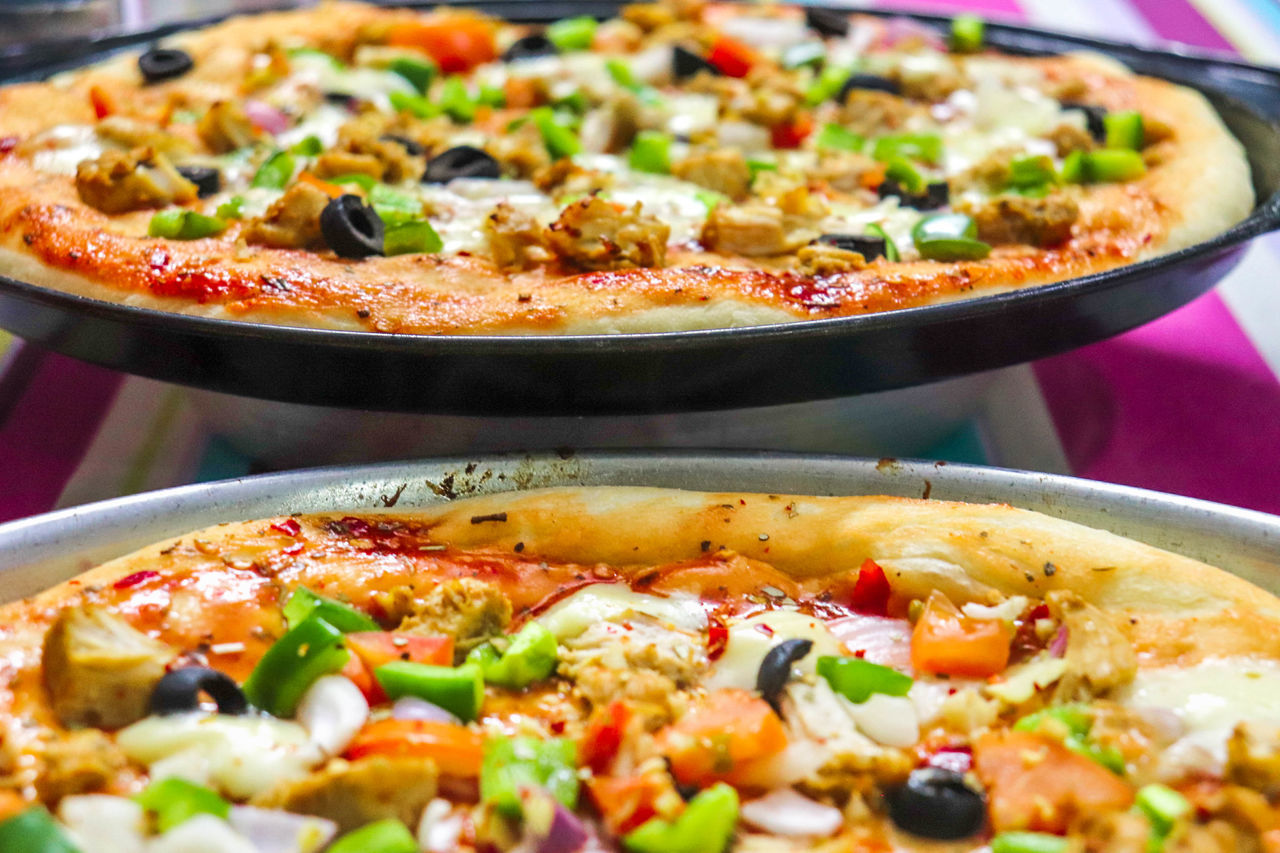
(669, 372)
(43, 550)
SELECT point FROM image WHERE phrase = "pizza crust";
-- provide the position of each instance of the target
(48, 238)
(1180, 610)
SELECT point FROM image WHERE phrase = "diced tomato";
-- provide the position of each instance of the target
(732, 57)
(376, 648)
(603, 737)
(945, 641)
(871, 590)
(362, 677)
(626, 802)
(1034, 782)
(456, 42)
(331, 190)
(456, 750)
(289, 527)
(103, 102)
(722, 731)
(717, 637)
(791, 134)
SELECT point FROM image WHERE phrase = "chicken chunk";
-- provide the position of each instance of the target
(595, 235)
(120, 181)
(226, 127)
(871, 113)
(844, 170)
(1022, 219)
(1253, 756)
(758, 229)
(292, 221)
(132, 133)
(1099, 656)
(521, 153)
(366, 146)
(355, 793)
(76, 763)
(821, 259)
(468, 610)
(99, 670)
(1067, 138)
(515, 238)
(724, 171)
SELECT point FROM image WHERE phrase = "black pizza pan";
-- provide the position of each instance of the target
(674, 371)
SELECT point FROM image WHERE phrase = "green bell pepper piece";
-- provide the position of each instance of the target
(232, 208)
(1071, 724)
(967, 33)
(419, 71)
(705, 826)
(834, 137)
(527, 762)
(826, 85)
(806, 53)
(304, 603)
(364, 182)
(459, 690)
(531, 657)
(491, 96)
(949, 237)
(925, 147)
(1113, 165)
(1029, 173)
(275, 172)
(411, 238)
(1028, 842)
(710, 198)
(857, 679)
(573, 33)
(906, 175)
(890, 248)
(174, 801)
(384, 836)
(311, 649)
(1124, 129)
(176, 223)
(307, 147)
(1163, 806)
(456, 101)
(34, 831)
(559, 140)
(756, 166)
(651, 152)
(415, 105)
(333, 61)
(622, 74)
(394, 207)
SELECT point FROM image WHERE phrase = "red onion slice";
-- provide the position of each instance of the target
(266, 117)
(413, 708)
(1058, 646)
(882, 639)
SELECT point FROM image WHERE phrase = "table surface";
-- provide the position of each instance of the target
(1188, 404)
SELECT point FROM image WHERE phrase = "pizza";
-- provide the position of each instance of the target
(644, 670)
(683, 165)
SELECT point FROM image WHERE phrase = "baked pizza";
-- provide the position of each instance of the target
(644, 670)
(683, 165)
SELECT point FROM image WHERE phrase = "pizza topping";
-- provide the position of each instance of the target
(179, 224)
(1024, 219)
(937, 803)
(180, 689)
(1099, 655)
(531, 656)
(310, 649)
(164, 63)
(948, 237)
(359, 792)
(99, 670)
(351, 228)
(226, 126)
(460, 690)
(463, 161)
(120, 181)
(531, 46)
(333, 710)
(208, 179)
(775, 669)
(705, 826)
(593, 234)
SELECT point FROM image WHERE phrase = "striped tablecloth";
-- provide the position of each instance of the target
(1189, 404)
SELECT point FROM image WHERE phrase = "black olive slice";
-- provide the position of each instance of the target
(868, 83)
(530, 47)
(350, 228)
(463, 161)
(936, 194)
(179, 691)
(412, 147)
(342, 99)
(864, 244)
(164, 63)
(207, 179)
(936, 803)
(1093, 117)
(775, 669)
(685, 63)
(827, 22)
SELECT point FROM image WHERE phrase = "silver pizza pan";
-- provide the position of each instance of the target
(38, 552)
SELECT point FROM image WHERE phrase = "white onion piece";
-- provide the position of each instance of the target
(103, 824)
(266, 117)
(765, 33)
(201, 834)
(887, 720)
(885, 641)
(332, 711)
(785, 812)
(439, 828)
(652, 65)
(273, 831)
(413, 708)
(744, 136)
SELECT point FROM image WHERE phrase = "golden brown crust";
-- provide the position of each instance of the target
(48, 237)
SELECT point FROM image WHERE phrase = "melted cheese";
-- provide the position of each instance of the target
(68, 146)
(609, 602)
(751, 639)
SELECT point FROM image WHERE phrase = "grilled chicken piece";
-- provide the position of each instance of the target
(120, 181)
(292, 222)
(468, 610)
(354, 793)
(593, 234)
(226, 127)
